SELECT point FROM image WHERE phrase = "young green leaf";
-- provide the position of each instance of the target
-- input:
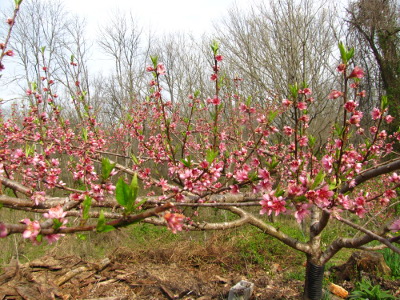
(384, 103)
(211, 154)
(122, 192)
(343, 52)
(106, 168)
(87, 203)
(101, 224)
(318, 179)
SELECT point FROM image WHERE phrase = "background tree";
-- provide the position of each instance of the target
(214, 154)
(376, 25)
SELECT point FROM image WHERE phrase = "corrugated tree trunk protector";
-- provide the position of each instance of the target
(313, 281)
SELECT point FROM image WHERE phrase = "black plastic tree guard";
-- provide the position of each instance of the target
(313, 282)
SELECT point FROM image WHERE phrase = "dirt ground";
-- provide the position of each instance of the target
(124, 275)
(187, 273)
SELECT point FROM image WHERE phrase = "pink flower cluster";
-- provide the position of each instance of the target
(174, 221)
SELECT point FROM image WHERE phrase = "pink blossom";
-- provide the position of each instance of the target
(305, 91)
(32, 229)
(335, 94)
(390, 194)
(271, 203)
(356, 117)
(323, 196)
(51, 238)
(294, 165)
(234, 189)
(357, 73)
(362, 93)
(303, 141)
(344, 201)
(264, 174)
(286, 102)
(395, 226)
(3, 230)
(38, 197)
(376, 113)
(149, 69)
(9, 53)
(288, 130)
(161, 69)
(241, 175)
(174, 221)
(302, 105)
(340, 68)
(214, 77)
(55, 213)
(302, 211)
(394, 178)
(215, 100)
(219, 57)
(327, 163)
(389, 119)
(350, 106)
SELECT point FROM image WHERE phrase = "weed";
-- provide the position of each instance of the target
(366, 291)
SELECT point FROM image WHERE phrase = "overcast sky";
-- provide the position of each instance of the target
(194, 16)
(156, 16)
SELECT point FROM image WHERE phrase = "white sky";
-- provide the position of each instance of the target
(155, 16)
(194, 16)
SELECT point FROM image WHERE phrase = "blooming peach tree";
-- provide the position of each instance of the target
(163, 158)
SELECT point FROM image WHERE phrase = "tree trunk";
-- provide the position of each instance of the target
(313, 281)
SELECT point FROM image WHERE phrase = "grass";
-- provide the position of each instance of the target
(239, 249)
(393, 261)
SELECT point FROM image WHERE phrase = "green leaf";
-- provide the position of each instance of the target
(84, 134)
(57, 224)
(248, 101)
(187, 162)
(311, 141)
(134, 190)
(39, 238)
(279, 192)
(214, 47)
(81, 236)
(343, 52)
(140, 203)
(384, 103)
(134, 158)
(211, 154)
(122, 192)
(318, 179)
(272, 115)
(42, 49)
(294, 90)
(154, 60)
(87, 203)
(101, 224)
(106, 168)
(350, 54)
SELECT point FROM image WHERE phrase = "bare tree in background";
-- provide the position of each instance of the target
(279, 43)
(47, 35)
(122, 40)
(375, 24)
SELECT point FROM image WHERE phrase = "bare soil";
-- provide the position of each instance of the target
(129, 275)
(184, 271)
